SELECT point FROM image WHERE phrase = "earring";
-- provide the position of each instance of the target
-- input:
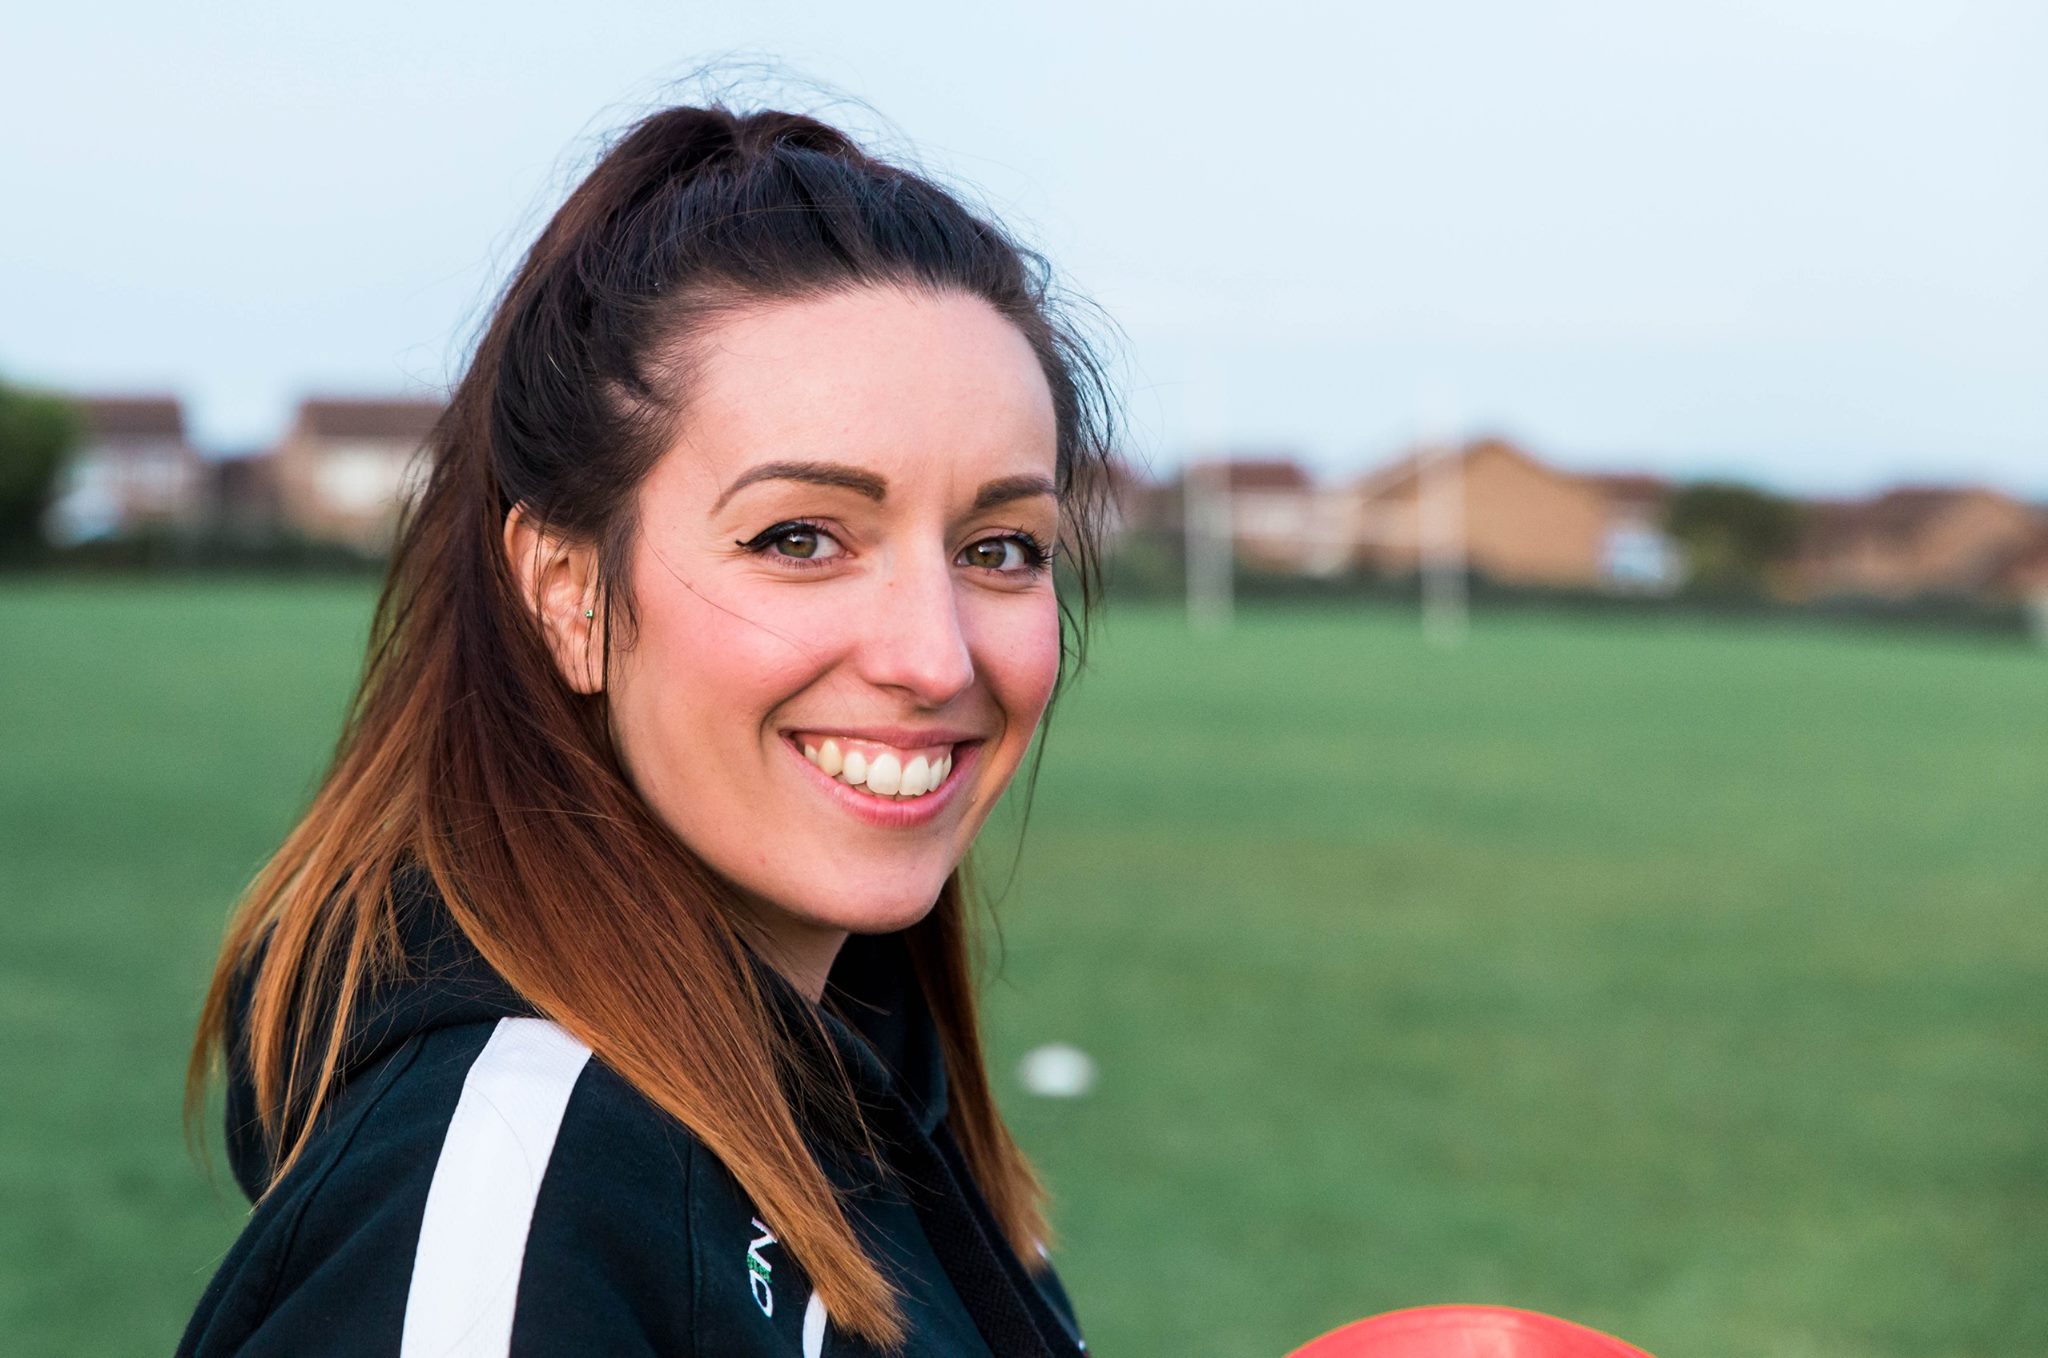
(589, 612)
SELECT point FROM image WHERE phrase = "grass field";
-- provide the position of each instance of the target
(1688, 980)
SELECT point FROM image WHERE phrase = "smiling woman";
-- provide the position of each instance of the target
(613, 995)
(892, 612)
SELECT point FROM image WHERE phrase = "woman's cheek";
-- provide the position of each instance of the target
(741, 642)
(1024, 660)
(699, 674)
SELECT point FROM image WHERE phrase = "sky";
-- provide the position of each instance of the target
(1800, 242)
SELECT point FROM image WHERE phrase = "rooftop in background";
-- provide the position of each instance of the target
(1635, 490)
(1896, 515)
(1396, 475)
(369, 417)
(133, 416)
(1261, 473)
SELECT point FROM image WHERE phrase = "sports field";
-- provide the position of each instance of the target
(1688, 980)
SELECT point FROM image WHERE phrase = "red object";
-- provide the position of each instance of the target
(1465, 1332)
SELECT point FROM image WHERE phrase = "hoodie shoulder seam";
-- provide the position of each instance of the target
(299, 1209)
(689, 1168)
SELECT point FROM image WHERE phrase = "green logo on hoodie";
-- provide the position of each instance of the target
(759, 1269)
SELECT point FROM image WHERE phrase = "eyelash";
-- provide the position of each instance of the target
(1037, 555)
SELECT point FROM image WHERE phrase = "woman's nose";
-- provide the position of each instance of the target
(914, 640)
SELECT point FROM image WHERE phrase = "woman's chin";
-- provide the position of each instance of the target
(875, 908)
(882, 915)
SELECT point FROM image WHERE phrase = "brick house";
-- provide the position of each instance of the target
(2024, 574)
(346, 466)
(133, 470)
(1917, 541)
(1639, 553)
(1513, 518)
(1280, 520)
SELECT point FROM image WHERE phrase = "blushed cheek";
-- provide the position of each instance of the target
(731, 660)
(702, 677)
(1023, 663)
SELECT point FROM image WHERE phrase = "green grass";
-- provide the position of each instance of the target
(1687, 980)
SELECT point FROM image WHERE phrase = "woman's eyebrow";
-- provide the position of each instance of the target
(875, 486)
(839, 474)
(1004, 489)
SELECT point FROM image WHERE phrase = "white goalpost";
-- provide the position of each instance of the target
(1211, 553)
(1440, 509)
(1207, 532)
(1439, 538)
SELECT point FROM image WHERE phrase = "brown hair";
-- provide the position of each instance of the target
(466, 755)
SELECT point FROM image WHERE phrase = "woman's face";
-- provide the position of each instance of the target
(845, 631)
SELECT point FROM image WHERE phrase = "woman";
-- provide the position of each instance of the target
(613, 996)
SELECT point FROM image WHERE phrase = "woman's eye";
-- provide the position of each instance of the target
(992, 553)
(1012, 554)
(803, 543)
(796, 542)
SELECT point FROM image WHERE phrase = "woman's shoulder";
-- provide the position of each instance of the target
(484, 1178)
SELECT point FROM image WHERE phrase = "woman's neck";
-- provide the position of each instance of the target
(801, 954)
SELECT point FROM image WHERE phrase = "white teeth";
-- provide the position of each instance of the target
(917, 779)
(885, 775)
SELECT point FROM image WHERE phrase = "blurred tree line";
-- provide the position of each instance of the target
(1734, 537)
(38, 431)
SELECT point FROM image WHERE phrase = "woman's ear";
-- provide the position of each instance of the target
(557, 579)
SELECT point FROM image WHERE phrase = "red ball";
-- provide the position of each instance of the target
(1465, 1332)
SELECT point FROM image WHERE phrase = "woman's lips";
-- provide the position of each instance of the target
(938, 768)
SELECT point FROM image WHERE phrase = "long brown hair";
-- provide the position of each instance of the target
(466, 755)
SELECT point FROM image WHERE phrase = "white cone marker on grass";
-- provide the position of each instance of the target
(1057, 1071)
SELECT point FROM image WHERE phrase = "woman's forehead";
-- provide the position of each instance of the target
(911, 383)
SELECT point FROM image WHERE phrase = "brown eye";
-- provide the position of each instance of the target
(794, 541)
(990, 553)
(798, 542)
(1018, 556)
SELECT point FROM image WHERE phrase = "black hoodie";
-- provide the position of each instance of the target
(481, 1185)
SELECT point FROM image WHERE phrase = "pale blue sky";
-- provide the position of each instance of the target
(1804, 241)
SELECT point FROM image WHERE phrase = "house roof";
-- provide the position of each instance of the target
(1895, 517)
(1635, 490)
(133, 416)
(1261, 473)
(1396, 475)
(1908, 509)
(356, 417)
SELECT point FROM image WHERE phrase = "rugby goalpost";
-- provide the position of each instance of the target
(1442, 558)
(1210, 543)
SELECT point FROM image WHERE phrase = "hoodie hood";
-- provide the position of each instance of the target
(876, 1019)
